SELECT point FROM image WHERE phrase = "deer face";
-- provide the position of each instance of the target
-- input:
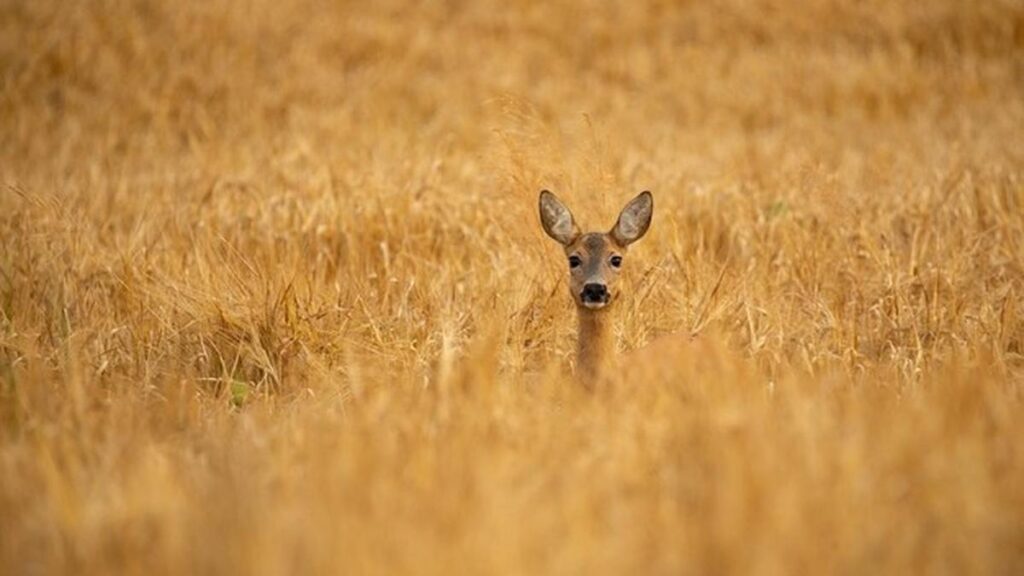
(595, 258)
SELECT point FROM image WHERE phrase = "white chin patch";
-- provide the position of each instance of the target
(594, 305)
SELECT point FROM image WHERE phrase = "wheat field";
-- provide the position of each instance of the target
(275, 299)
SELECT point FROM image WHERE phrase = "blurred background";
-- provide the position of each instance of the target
(275, 298)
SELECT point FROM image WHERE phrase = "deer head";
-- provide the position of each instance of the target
(595, 258)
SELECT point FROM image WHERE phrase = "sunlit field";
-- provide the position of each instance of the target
(275, 298)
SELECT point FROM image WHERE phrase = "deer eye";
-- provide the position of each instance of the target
(574, 261)
(616, 261)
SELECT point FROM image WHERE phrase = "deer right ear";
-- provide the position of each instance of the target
(556, 219)
(634, 220)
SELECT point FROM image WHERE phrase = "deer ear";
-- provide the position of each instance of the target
(634, 220)
(556, 219)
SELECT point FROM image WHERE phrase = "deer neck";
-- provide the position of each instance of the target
(596, 343)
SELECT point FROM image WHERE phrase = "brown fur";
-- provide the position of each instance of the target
(596, 252)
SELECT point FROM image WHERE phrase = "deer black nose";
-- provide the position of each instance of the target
(594, 292)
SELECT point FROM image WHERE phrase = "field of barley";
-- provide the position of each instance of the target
(275, 298)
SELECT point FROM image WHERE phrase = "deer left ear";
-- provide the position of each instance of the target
(556, 219)
(634, 220)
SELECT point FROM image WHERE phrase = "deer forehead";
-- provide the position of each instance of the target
(592, 244)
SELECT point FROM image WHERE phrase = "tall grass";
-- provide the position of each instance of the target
(274, 298)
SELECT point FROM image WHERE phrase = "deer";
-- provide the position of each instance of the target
(596, 260)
